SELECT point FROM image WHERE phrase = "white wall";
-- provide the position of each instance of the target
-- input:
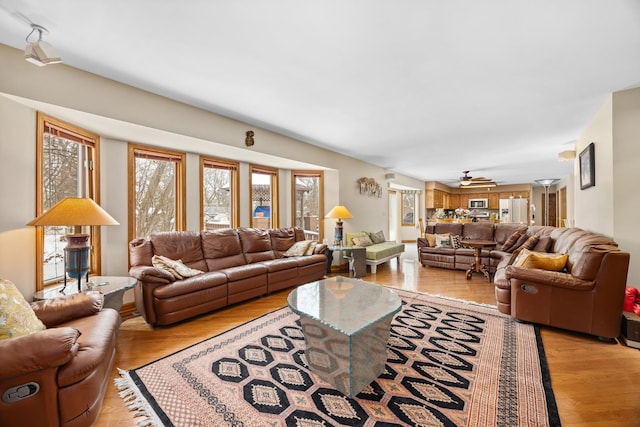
(121, 114)
(611, 207)
(17, 177)
(626, 176)
(594, 205)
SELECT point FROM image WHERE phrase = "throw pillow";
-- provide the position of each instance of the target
(17, 318)
(298, 249)
(455, 241)
(431, 239)
(378, 237)
(541, 260)
(530, 243)
(523, 238)
(351, 236)
(543, 245)
(175, 267)
(443, 240)
(362, 241)
(311, 248)
(510, 241)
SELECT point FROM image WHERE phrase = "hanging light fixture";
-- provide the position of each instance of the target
(39, 52)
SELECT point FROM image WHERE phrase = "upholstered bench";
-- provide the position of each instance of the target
(378, 250)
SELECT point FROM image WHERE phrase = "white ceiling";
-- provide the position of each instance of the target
(424, 88)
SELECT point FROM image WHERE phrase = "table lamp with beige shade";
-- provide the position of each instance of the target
(339, 212)
(75, 212)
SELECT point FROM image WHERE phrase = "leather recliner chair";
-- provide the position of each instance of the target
(58, 376)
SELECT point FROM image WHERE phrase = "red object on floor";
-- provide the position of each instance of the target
(632, 300)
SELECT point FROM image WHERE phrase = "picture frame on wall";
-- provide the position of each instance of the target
(588, 167)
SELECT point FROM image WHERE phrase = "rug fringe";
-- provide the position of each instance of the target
(135, 402)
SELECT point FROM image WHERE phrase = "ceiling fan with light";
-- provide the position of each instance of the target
(467, 181)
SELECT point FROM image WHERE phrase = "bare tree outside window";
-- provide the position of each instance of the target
(219, 182)
(67, 166)
(64, 176)
(158, 191)
(155, 196)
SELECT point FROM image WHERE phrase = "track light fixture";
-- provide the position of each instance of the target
(39, 52)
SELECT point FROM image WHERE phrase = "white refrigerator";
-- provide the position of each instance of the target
(514, 211)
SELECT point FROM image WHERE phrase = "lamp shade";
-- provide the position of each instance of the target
(74, 211)
(339, 212)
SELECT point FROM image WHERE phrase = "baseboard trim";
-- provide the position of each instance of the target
(128, 311)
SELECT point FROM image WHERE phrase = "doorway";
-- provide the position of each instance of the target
(393, 215)
(553, 206)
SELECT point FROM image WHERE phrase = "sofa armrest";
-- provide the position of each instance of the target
(38, 351)
(62, 309)
(149, 274)
(422, 243)
(548, 278)
(320, 249)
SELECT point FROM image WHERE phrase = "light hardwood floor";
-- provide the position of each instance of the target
(595, 383)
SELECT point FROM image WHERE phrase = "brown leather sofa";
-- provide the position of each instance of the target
(58, 376)
(587, 296)
(238, 264)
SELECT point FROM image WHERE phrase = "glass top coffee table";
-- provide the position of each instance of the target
(346, 325)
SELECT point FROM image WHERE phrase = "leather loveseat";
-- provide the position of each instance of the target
(58, 376)
(237, 264)
(585, 296)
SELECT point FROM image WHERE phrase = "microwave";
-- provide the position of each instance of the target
(478, 203)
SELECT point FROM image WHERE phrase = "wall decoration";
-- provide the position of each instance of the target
(370, 187)
(588, 167)
(249, 139)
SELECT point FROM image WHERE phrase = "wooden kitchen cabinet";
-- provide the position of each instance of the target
(435, 199)
(464, 201)
(454, 202)
(494, 201)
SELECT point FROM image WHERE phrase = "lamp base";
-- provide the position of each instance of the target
(77, 259)
(338, 234)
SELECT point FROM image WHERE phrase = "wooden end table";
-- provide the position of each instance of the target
(477, 266)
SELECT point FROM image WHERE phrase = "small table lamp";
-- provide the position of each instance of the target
(76, 212)
(339, 212)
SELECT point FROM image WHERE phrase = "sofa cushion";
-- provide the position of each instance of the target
(311, 249)
(190, 285)
(383, 250)
(443, 241)
(378, 237)
(530, 243)
(281, 240)
(298, 248)
(256, 244)
(518, 243)
(183, 245)
(543, 245)
(17, 318)
(543, 261)
(448, 228)
(175, 267)
(362, 241)
(478, 230)
(431, 239)
(349, 236)
(503, 231)
(511, 240)
(455, 242)
(222, 249)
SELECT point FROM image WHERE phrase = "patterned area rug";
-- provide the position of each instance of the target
(449, 363)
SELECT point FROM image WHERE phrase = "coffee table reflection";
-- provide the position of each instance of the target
(346, 325)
